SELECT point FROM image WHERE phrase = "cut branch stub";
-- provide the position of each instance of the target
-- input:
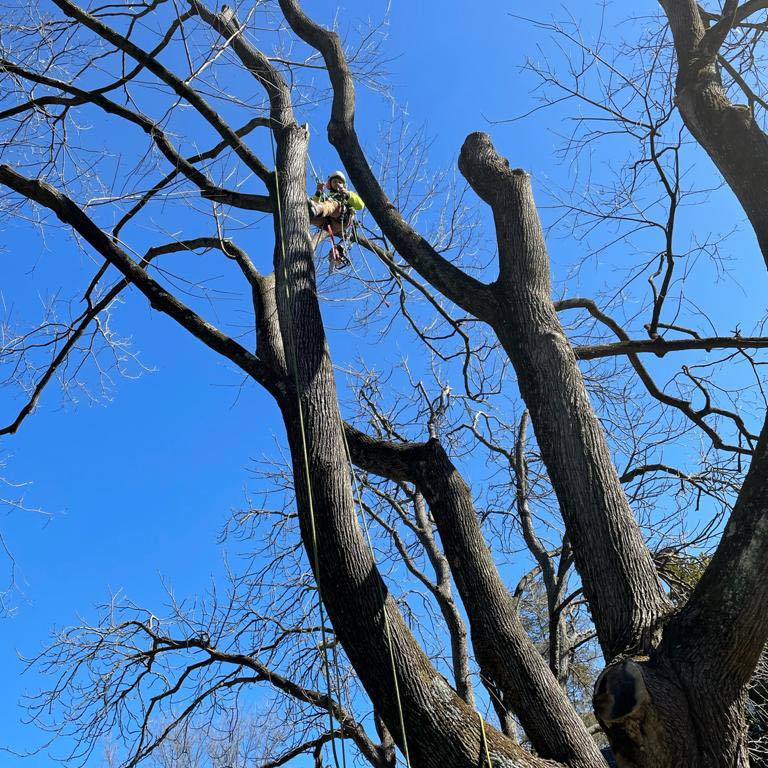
(508, 192)
(620, 693)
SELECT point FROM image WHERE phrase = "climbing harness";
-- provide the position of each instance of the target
(337, 256)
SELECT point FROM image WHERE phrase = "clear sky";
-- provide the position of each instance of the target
(136, 489)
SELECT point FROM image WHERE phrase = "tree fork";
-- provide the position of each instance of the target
(505, 652)
(354, 593)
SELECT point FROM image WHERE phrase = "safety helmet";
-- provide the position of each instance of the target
(338, 175)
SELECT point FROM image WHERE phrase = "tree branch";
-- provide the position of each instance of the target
(624, 592)
(207, 188)
(503, 649)
(160, 299)
(684, 406)
(254, 61)
(660, 346)
(169, 177)
(176, 84)
(728, 132)
(93, 311)
(714, 37)
(464, 291)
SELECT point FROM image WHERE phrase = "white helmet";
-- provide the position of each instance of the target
(338, 175)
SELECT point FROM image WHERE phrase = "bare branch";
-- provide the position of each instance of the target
(68, 212)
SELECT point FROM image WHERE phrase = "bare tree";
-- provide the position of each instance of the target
(592, 489)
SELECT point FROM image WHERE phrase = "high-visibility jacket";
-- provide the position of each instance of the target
(352, 199)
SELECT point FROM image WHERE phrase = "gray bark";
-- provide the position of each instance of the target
(443, 729)
(624, 592)
(674, 690)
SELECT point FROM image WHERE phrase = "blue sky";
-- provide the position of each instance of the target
(137, 488)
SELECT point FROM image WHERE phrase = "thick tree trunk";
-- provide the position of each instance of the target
(624, 592)
(661, 714)
(675, 694)
(440, 728)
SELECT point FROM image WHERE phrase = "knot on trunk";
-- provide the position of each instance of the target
(645, 715)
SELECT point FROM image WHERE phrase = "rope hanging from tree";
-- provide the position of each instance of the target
(313, 528)
(357, 500)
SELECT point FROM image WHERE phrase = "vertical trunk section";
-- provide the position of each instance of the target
(616, 568)
(441, 729)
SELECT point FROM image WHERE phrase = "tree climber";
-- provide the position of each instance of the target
(332, 209)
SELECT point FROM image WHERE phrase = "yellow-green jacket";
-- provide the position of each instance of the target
(352, 199)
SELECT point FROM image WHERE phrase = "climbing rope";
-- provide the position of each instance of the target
(484, 739)
(382, 597)
(358, 496)
(318, 180)
(307, 477)
(313, 527)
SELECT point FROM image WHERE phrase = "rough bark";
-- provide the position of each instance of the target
(646, 716)
(507, 657)
(616, 568)
(728, 132)
(674, 692)
(443, 729)
(626, 611)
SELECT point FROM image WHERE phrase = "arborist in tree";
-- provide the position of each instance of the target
(332, 209)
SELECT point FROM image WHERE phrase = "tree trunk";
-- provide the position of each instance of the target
(624, 592)
(728, 132)
(660, 715)
(440, 729)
